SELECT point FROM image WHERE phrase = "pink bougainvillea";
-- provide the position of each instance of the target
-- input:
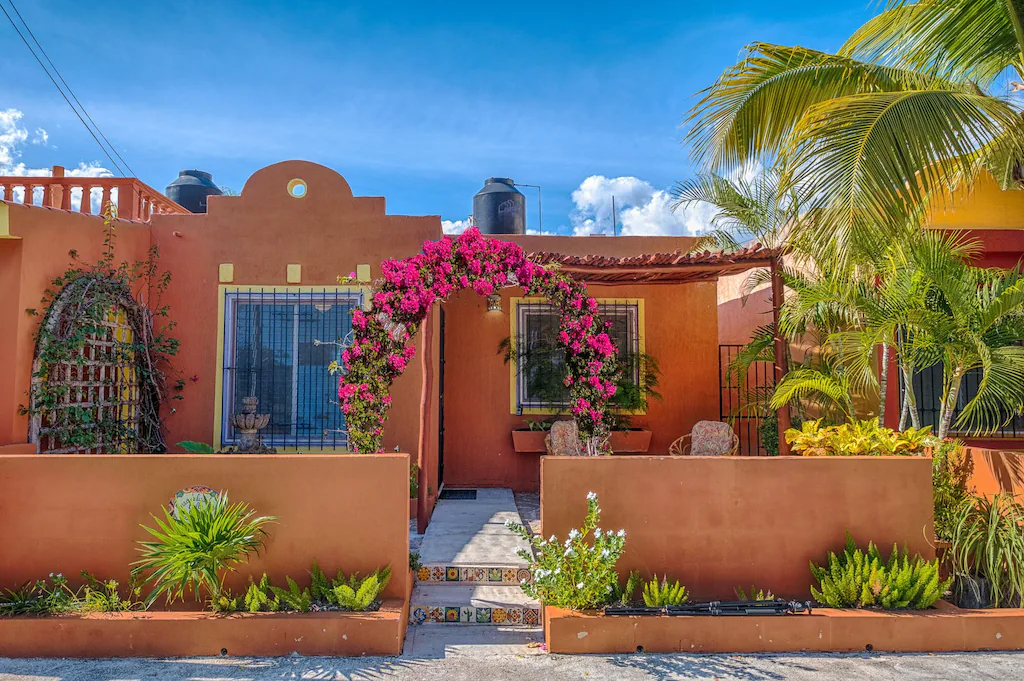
(400, 301)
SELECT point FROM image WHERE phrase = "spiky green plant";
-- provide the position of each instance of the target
(658, 594)
(319, 584)
(358, 593)
(858, 579)
(755, 594)
(987, 541)
(196, 547)
(260, 598)
(623, 594)
(293, 598)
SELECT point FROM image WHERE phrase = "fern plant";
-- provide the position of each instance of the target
(860, 579)
(358, 594)
(755, 594)
(657, 595)
(293, 598)
(320, 587)
(260, 598)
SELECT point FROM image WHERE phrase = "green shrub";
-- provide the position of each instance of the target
(858, 579)
(196, 548)
(259, 597)
(858, 438)
(952, 468)
(54, 596)
(657, 595)
(193, 447)
(358, 594)
(755, 594)
(987, 541)
(293, 598)
(576, 573)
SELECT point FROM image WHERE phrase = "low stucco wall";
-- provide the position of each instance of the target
(69, 513)
(720, 523)
(997, 472)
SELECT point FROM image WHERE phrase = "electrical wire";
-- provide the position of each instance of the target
(61, 91)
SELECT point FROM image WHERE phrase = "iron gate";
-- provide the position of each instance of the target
(732, 398)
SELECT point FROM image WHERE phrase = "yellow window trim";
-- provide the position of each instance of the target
(218, 399)
(641, 324)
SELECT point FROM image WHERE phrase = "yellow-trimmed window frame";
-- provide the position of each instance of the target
(222, 295)
(641, 323)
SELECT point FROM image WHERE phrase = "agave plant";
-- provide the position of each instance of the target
(196, 546)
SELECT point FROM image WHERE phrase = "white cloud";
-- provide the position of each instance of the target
(13, 137)
(641, 210)
(456, 226)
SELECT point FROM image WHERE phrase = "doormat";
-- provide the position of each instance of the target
(459, 494)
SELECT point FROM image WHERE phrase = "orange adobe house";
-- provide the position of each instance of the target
(259, 312)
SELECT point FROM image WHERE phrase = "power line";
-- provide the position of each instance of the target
(61, 91)
(70, 91)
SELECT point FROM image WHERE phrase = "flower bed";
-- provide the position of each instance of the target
(944, 628)
(176, 634)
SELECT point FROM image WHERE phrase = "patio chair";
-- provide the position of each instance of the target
(708, 438)
(564, 439)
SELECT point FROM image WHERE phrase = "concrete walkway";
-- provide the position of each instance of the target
(491, 661)
(473, 533)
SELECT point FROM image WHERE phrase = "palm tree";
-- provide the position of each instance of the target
(910, 108)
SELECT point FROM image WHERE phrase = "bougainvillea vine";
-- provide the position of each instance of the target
(400, 301)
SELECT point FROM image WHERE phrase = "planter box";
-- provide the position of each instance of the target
(630, 441)
(621, 441)
(179, 634)
(529, 441)
(944, 628)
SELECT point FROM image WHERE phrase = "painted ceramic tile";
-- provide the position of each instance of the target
(479, 574)
(493, 574)
(498, 615)
(483, 615)
(531, 616)
(452, 574)
(451, 614)
(423, 574)
(190, 496)
(467, 615)
(514, 615)
(508, 575)
(524, 576)
(435, 615)
(437, 574)
(419, 615)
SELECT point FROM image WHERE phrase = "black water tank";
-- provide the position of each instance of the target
(191, 189)
(500, 208)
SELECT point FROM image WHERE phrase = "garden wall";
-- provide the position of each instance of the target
(69, 513)
(997, 472)
(719, 523)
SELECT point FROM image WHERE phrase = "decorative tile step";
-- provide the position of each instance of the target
(475, 574)
(497, 605)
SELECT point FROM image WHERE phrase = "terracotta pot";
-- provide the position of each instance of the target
(414, 504)
(529, 441)
(630, 441)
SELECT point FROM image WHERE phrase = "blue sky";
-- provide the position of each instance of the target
(418, 102)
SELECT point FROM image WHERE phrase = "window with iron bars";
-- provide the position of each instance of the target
(928, 391)
(277, 347)
(540, 363)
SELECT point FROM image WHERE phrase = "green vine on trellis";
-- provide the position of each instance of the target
(77, 307)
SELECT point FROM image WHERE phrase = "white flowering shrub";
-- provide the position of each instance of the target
(578, 574)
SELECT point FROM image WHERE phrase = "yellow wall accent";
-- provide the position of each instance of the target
(362, 273)
(218, 395)
(641, 326)
(294, 274)
(987, 206)
(226, 273)
(5, 223)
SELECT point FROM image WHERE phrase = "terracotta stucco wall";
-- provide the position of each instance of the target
(71, 513)
(31, 257)
(718, 523)
(997, 472)
(681, 332)
(329, 232)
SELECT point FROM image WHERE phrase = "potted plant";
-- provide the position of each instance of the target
(529, 439)
(546, 378)
(987, 552)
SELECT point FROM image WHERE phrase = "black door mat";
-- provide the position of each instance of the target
(459, 494)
